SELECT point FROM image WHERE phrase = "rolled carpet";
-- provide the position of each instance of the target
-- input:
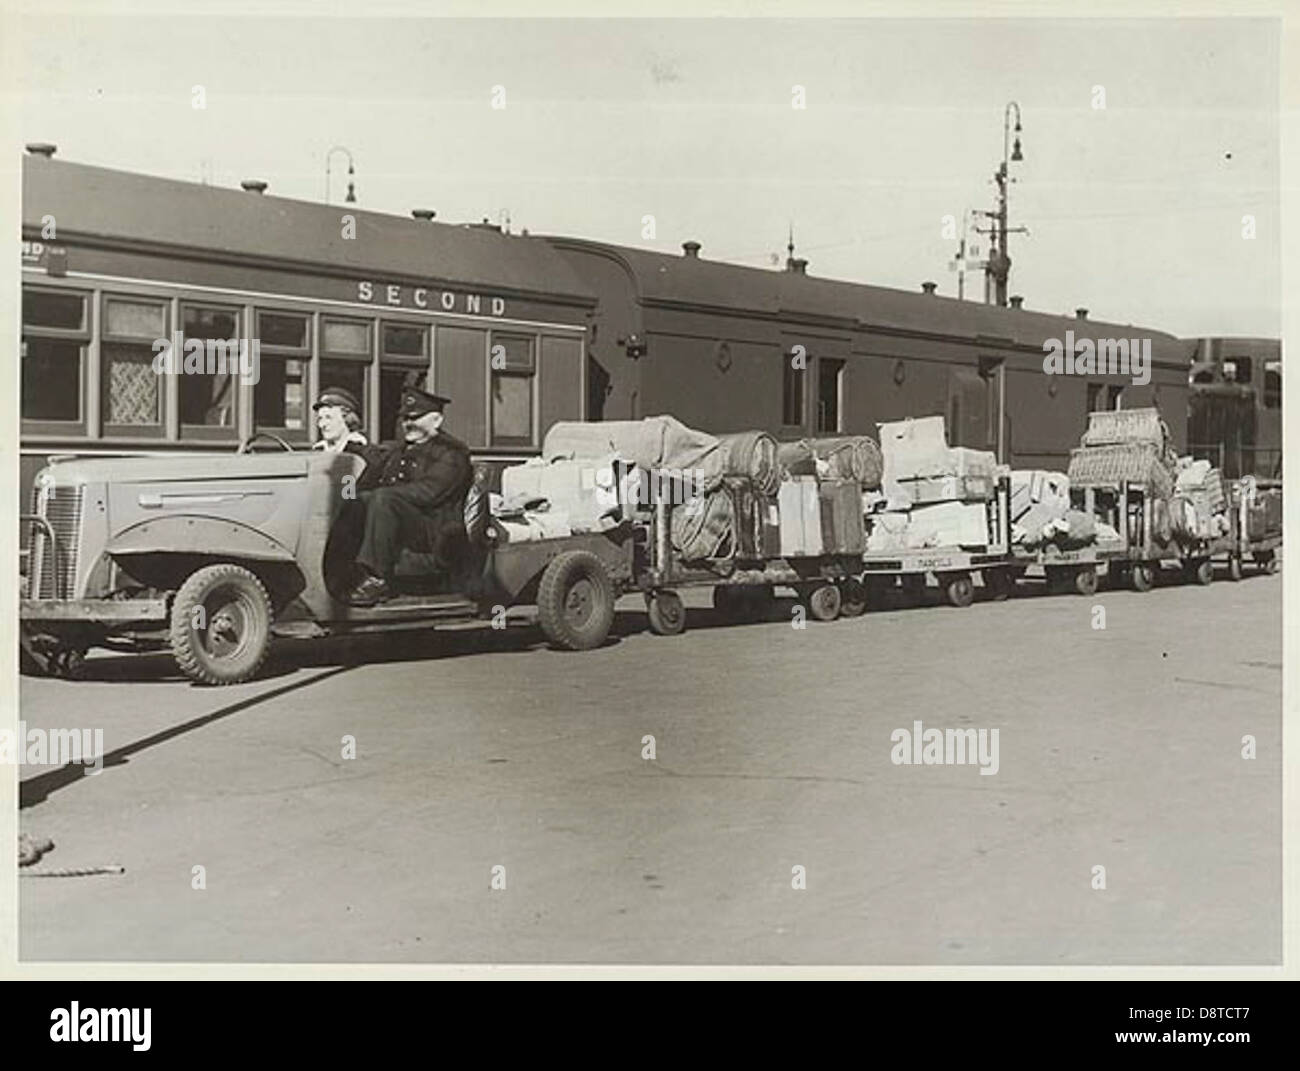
(752, 454)
(854, 457)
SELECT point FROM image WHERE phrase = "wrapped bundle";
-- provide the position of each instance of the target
(702, 528)
(752, 454)
(585, 489)
(665, 443)
(855, 457)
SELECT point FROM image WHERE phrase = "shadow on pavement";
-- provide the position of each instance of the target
(37, 789)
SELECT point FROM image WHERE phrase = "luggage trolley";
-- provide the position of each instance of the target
(1135, 559)
(953, 567)
(1260, 547)
(743, 580)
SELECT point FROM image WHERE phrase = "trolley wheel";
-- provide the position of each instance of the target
(853, 597)
(667, 614)
(1204, 571)
(1085, 580)
(575, 601)
(1234, 567)
(1142, 576)
(1266, 561)
(1000, 582)
(823, 601)
(220, 627)
(959, 588)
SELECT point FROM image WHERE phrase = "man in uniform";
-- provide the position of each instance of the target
(413, 493)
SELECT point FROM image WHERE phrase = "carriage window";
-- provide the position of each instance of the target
(53, 352)
(347, 336)
(51, 383)
(47, 308)
(135, 319)
(1114, 396)
(280, 393)
(131, 394)
(401, 340)
(513, 365)
(282, 330)
(1236, 369)
(207, 396)
(1273, 385)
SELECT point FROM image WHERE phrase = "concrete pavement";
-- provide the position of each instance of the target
(1119, 748)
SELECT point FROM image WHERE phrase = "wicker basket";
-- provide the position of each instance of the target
(1106, 466)
(1111, 427)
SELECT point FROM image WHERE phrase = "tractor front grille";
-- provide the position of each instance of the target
(53, 566)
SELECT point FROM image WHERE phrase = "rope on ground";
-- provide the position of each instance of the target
(30, 850)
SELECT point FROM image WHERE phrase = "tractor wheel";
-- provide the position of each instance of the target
(1204, 571)
(220, 625)
(667, 614)
(853, 597)
(575, 601)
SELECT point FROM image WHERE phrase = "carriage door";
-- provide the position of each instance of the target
(967, 416)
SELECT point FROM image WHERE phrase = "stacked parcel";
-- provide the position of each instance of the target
(932, 494)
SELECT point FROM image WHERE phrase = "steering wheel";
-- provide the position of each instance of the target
(244, 446)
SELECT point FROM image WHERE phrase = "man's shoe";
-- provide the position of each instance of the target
(372, 590)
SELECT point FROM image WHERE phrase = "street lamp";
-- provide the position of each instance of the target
(351, 198)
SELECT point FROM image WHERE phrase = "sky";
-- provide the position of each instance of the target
(1135, 209)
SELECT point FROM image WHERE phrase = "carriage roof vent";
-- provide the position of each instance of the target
(253, 185)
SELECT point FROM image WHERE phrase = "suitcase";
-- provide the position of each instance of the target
(801, 518)
(841, 517)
